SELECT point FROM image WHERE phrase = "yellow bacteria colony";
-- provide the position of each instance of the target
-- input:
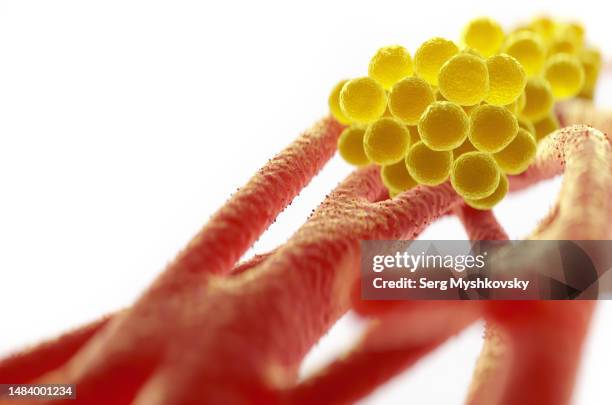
(470, 112)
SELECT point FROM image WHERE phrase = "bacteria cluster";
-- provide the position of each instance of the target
(472, 112)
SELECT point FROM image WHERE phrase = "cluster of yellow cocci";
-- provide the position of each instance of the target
(473, 113)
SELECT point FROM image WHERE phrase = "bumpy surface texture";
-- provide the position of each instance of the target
(210, 330)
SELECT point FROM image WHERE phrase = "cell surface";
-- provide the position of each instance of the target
(475, 175)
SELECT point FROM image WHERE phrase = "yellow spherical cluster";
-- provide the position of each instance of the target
(544, 26)
(409, 98)
(386, 141)
(396, 177)
(430, 57)
(350, 145)
(591, 64)
(507, 79)
(363, 100)
(567, 38)
(389, 65)
(528, 48)
(565, 74)
(516, 157)
(443, 126)
(471, 114)
(492, 128)
(517, 105)
(486, 203)
(464, 79)
(334, 103)
(484, 35)
(539, 99)
(428, 166)
(575, 31)
(561, 45)
(475, 175)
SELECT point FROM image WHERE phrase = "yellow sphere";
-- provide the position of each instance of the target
(483, 34)
(363, 100)
(565, 75)
(593, 56)
(512, 107)
(573, 32)
(396, 177)
(576, 30)
(562, 44)
(492, 128)
(465, 147)
(334, 104)
(428, 166)
(464, 79)
(386, 141)
(521, 101)
(591, 63)
(430, 57)
(389, 65)
(516, 157)
(475, 175)
(545, 126)
(350, 145)
(528, 49)
(473, 52)
(538, 99)
(489, 202)
(545, 26)
(409, 98)
(507, 79)
(443, 126)
(526, 125)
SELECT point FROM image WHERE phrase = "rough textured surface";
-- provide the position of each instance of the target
(206, 334)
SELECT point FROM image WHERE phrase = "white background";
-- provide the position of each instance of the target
(125, 124)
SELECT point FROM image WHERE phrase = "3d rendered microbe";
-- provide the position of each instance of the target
(431, 135)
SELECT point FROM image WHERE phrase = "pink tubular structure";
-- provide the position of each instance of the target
(212, 331)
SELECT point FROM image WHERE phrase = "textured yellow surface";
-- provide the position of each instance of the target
(464, 79)
(430, 57)
(538, 99)
(528, 49)
(363, 100)
(350, 145)
(389, 65)
(516, 157)
(428, 166)
(489, 202)
(492, 128)
(565, 74)
(475, 175)
(334, 103)
(396, 177)
(507, 79)
(386, 141)
(484, 35)
(443, 126)
(408, 99)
